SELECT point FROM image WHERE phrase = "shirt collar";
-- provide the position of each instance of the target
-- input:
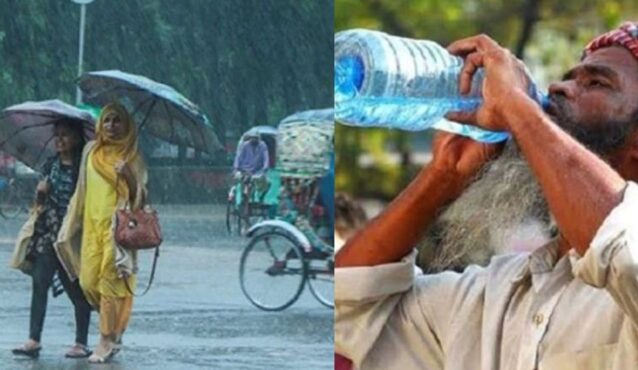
(539, 261)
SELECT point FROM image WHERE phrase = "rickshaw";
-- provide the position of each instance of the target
(251, 199)
(286, 253)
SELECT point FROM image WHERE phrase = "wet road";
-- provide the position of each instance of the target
(194, 317)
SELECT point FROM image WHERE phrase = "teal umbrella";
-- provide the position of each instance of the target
(157, 108)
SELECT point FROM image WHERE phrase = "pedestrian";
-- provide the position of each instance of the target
(112, 174)
(34, 253)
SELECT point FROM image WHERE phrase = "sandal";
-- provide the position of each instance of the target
(97, 359)
(104, 351)
(23, 350)
(78, 351)
(117, 346)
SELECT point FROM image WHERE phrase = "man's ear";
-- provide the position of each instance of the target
(626, 160)
(632, 146)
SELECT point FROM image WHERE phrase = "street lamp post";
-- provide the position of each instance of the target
(82, 3)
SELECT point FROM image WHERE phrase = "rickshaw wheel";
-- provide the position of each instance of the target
(272, 271)
(234, 221)
(10, 206)
(230, 213)
(321, 280)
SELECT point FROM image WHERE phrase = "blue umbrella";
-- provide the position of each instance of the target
(157, 108)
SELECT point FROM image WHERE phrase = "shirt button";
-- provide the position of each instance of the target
(538, 319)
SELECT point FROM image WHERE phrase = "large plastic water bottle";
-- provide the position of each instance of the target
(395, 82)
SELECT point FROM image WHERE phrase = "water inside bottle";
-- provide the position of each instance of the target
(412, 114)
(407, 113)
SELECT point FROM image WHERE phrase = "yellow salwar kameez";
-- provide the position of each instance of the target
(86, 246)
(99, 278)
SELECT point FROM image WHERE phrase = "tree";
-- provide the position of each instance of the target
(244, 62)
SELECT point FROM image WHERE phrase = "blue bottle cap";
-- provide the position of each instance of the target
(349, 73)
(545, 101)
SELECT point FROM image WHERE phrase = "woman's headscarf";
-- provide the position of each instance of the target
(108, 152)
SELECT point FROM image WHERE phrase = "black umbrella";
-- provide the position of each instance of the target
(26, 129)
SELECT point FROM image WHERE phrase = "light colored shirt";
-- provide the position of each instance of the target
(252, 158)
(521, 312)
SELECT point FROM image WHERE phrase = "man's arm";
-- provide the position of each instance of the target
(393, 234)
(240, 151)
(580, 188)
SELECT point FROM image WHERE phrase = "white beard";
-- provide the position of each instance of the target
(503, 210)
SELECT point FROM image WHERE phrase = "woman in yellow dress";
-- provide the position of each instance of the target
(112, 174)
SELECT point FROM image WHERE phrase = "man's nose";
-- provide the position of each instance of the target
(567, 89)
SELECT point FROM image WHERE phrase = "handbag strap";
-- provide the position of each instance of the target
(150, 280)
(152, 277)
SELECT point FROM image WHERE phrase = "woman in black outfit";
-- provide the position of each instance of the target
(35, 254)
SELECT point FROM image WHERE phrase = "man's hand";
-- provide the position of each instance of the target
(587, 189)
(393, 234)
(460, 156)
(505, 79)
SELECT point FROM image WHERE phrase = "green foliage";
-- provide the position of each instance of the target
(244, 62)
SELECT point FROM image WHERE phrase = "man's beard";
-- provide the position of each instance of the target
(504, 208)
(504, 204)
(601, 138)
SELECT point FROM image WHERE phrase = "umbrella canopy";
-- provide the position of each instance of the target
(26, 129)
(157, 108)
(316, 115)
(259, 130)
